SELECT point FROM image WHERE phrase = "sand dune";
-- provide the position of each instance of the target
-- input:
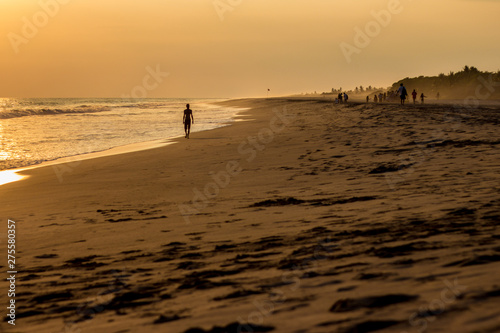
(308, 217)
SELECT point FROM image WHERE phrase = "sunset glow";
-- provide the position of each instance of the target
(56, 48)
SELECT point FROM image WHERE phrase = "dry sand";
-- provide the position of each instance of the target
(322, 218)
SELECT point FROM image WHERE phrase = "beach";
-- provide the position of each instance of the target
(305, 216)
(43, 130)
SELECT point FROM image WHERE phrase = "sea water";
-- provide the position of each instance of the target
(33, 131)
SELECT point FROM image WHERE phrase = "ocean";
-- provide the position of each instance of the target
(37, 130)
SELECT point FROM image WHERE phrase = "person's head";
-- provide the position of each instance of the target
(401, 84)
(187, 106)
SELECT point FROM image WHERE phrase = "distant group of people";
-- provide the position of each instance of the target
(384, 97)
(341, 98)
(378, 98)
(402, 93)
(414, 95)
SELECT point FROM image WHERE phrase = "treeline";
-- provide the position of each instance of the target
(469, 82)
(357, 90)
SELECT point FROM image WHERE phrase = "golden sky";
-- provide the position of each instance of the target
(236, 48)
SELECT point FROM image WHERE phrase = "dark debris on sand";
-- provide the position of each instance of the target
(331, 202)
(352, 304)
(167, 319)
(370, 326)
(238, 294)
(389, 167)
(316, 202)
(462, 143)
(278, 202)
(233, 328)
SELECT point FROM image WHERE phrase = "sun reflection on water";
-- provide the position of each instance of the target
(9, 176)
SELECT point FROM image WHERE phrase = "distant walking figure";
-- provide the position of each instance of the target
(402, 93)
(422, 98)
(346, 97)
(367, 99)
(187, 120)
(340, 98)
(375, 98)
(414, 95)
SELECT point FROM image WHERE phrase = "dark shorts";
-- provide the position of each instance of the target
(187, 124)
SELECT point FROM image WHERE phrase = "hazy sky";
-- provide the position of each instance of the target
(235, 48)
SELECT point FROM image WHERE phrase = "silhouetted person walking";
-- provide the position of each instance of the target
(187, 120)
(402, 93)
(414, 95)
(422, 98)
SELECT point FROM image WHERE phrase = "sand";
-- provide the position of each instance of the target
(306, 217)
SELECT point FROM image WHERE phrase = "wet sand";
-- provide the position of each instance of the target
(308, 217)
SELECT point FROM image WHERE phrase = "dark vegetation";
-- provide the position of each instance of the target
(468, 82)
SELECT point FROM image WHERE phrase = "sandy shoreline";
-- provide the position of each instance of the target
(14, 174)
(312, 217)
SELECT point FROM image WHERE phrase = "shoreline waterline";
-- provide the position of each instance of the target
(13, 175)
(54, 128)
